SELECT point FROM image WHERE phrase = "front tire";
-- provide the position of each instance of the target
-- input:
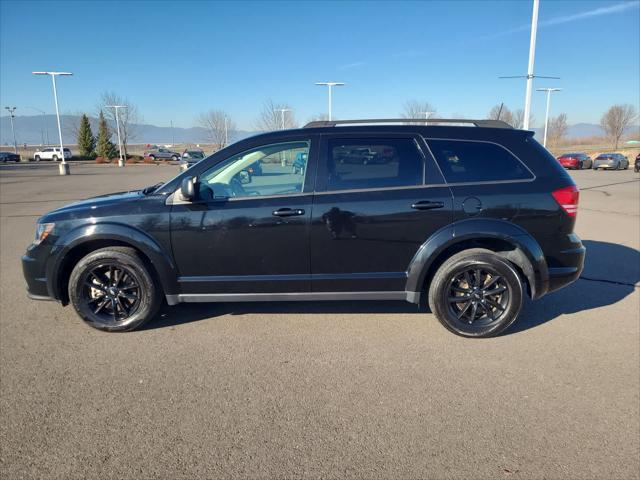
(476, 294)
(111, 289)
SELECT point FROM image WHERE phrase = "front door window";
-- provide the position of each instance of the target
(268, 170)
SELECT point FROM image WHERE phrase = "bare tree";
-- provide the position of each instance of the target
(418, 109)
(219, 126)
(271, 116)
(557, 129)
(128, 116)
(615, 121)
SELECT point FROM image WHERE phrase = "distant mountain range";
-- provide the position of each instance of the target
(34, 129)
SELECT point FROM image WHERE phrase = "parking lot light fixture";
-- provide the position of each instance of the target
(64, 166)
(330, 85)
(546, 116)
(282, 112)
(11, 115)
(116, 107)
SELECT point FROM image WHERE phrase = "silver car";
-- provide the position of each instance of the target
(190, 157)
(162, 153)
(611, 161)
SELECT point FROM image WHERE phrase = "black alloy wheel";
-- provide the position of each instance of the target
(476, 293)
(112, 289)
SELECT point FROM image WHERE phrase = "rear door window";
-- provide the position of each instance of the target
(465, 161)
(373, 163)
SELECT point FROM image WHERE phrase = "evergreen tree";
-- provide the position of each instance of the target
(86, 140)
(105, 148)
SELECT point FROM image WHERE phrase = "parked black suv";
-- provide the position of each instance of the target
(466, 218)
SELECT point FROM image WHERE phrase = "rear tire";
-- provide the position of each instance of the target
(37, 158)
(54, 158)
(111, 289)
(476, 294)
(174, 158)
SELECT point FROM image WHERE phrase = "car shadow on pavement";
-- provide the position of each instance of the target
(610, 273)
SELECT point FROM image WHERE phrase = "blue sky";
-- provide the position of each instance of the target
(176, 59)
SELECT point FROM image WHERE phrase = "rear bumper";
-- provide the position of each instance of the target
(570, 266)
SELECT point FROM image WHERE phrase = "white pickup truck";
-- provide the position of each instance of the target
(51, 154)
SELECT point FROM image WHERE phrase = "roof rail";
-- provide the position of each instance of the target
(478, 123)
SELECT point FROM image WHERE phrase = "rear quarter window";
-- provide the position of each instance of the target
(467, 161)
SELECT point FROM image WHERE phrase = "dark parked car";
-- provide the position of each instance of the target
(575, 161)
(9, 157)
(468, 220)
(636, 165)
(611, 161)
(190, 157)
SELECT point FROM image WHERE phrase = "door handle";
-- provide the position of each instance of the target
(427, 205)
(288, 212)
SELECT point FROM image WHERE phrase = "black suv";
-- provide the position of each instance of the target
(464, 218)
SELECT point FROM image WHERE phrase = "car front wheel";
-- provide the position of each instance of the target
(476, 293)
(112, 290)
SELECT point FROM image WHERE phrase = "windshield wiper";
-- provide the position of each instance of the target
(152, 188)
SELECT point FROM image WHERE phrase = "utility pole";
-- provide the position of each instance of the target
(116, 107)
(173, 138)
(427, 115)
(11, 115)
(64, 166)
(546, 117)
(330, 85)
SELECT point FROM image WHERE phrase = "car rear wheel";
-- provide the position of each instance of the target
(37, 158)
(174, 158)
(476, 293)
(54, 158)
(112, 290)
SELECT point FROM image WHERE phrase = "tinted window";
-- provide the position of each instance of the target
(373, 163)
(468, 161)
(265, 170)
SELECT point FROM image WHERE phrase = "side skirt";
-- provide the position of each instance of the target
(412, 297)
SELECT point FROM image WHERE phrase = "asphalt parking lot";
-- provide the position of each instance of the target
(337, 389)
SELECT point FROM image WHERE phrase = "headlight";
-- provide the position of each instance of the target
(42, 231)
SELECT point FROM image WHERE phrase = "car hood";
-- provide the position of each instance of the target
(96, 202)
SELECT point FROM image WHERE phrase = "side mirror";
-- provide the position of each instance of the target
(188, 189)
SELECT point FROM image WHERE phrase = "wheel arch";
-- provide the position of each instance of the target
(507, 239)
(79, 242)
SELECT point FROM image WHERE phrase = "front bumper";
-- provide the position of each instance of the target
(34, 274)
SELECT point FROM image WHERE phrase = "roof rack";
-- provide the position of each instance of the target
(477, 123)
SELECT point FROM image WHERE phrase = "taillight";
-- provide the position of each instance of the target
(567, 198)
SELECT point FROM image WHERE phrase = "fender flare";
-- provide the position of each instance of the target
(126, 234)
(527, 253)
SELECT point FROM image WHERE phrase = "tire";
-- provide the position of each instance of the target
(135, 299)
(580, 166)
(54, 158)
(174, 158)
(152, 157)
(37, 158)
(460, 273)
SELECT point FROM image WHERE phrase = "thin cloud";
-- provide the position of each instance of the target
(596, 12)
(351, 65)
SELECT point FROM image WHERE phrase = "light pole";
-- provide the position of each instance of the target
(282, 112)
(116, 107)
(64, 166)
(44, 126)
(530, 75)
(330, 85)
(546, 116)
(11, 115)
(226, 131)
